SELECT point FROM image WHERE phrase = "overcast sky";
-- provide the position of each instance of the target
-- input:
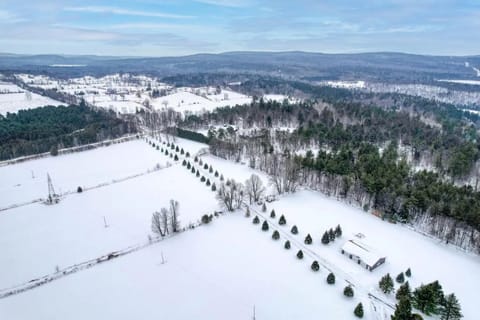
(179, 27)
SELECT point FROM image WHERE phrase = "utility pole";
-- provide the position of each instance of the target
(105, 222)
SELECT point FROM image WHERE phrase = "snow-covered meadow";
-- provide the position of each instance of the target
(13, 98)
(215, 271)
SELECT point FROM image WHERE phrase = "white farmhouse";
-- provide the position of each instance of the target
(363, 254)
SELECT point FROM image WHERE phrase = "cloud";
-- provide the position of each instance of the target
(126, 12)
(228, 3)
(9, 17)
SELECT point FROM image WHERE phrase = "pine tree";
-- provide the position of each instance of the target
(338, 231)
(424, 299)
(200, 161)
(325, 238)
(193, 170)
(196, 159)
(272, 214)
(265, 226)
(348, 291)
(221, 177)
(189, 166)
(315, 266)
(256, 220)
(403, 310)
(294, 230)
(400, 278)
(287, 245)
(451, 309)
(358, 312)
(282, 220)
(331, 235)
(205, 166)
(177, 149)
(166, 152)
(208, 182)
(247, 212)
(308, 239)
(216, 174)
(331, 278)
(187, 154)
(404, 292)
(210, 169)
(161, 149)
(198, 174)
(264, 207)
(408, 273)
(176, 157)
(386, 284)
(182, 152)
(184, 163)
(275, 235)
(214, 187)
(300, 254)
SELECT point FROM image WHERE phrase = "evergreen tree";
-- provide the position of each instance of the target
(198, 174)
(348, 291)
(272, 214)
(265, 226)
(187, 154)
(315, 266)
(176, 157)
(331, 278)
(189, 166)
(287, 245)
(308, 239)
(338, 231)
(177, 149)
(424, 299)
(166, 152)
(210, 169)
(451, 309)
(205, 166)
(408, 273)
(193, 170)
(275, 235)
(222, 178)
(161, 149)
(200, 162)
(214, 187)
(386, 284)
(247, 212)
(325, 238)
(216, 174)
(403, 310)
(300, 254)
(282, 220)
(196, 159)
(331, 235)
(358, 312)
(208, 182)
(256, 220)
(400, 278)
(294, 230)
(184, 162)
(264, 207)
(404, 292)
(182, 152)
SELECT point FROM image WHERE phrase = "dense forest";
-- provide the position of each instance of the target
(51, 128)
(365, 154)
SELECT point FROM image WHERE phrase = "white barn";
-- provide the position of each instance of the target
(363, 254)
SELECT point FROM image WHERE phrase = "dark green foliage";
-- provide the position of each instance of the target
(203, 179)
(265, 226)
(193, 170)
(308, 239)
(386, 284)
(403, 310)
(191, 135)
(272, 214)
(205, 166)
(176, 157)
(408, 273)
(331, 278)
(358, 311)
(256, 220)
(400, 278)
(187, 154)
(54, 151)
(34, 131)
(200, 162)
(196, 159)
(348, 291)
(338, 231)
(198, 173)
(282, 220)
(214, 187)
(300, 254)
(275, 235)
(331, 235)
(428, 298)
(451, 310)
(404, 292)
(222, 178)
(161, 149)
(294, 230)
(210, 169)
(172, 146)
(182, 152)
(79, 189)
(216, 174)
(287, 245)
(264, 207)
(325, 238)
(189, 166)
(208, 182)
(184, 162)
(206, 219)
(315, 266)
(166, 152)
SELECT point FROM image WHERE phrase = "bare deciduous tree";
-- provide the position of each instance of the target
(254, 188)
(174, 214)
(230, 195)
(157, 224)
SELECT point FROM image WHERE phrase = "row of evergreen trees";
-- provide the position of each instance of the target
(331, 234)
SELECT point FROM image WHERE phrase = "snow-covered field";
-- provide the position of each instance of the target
(216, 271)
(14, 98)
(471, 82)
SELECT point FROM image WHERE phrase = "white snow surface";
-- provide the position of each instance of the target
(14, 98)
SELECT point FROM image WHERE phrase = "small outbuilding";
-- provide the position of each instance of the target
(363, 254)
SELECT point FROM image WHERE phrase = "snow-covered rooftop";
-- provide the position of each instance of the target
(362, 251)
